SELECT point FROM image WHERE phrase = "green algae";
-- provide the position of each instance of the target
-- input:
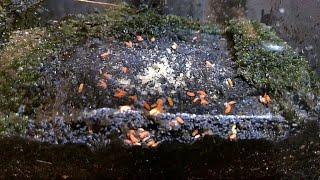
(272, 66)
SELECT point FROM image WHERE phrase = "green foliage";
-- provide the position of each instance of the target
(264, 60)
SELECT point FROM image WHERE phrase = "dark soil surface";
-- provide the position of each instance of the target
(200, 62)
(97, 94)
(212, 157)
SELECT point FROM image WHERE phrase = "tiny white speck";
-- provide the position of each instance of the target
(281, 10)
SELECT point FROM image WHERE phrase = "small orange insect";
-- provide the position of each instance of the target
(124, 70)
(265, 99)
(129, 44)
(174, 46)
(80, 89)
(202, 93)
(160, 105)
(194, 133)
(139, 38)
(155, 112)
(146, 106)
(152, 144)
(228, 107)
(170, 101)
(196, 100)
(191, 94)
(133, 139)
(102, 83)
(233, 137)
(124, 108)
(202, 96)
(105, 55)
(133, 98)
(203, 101)
(120, 93)
(144, 134)
(209, 64)
(179, 120)
(106, 76)
(229, 83)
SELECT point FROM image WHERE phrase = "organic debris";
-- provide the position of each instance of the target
(153, 39)
(228, 107)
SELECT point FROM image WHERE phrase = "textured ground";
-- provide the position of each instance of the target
(155, 71)
(212, 157)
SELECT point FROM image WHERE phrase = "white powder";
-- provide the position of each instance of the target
(161, 69)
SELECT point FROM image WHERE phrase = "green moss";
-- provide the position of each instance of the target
(268, 63)
(123, 24)
(19, 15)
(13, 124)
(18, 70)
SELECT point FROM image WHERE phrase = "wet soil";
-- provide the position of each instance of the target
(212, 157)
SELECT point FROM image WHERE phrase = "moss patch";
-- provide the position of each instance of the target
(20, 60)
(269, 64)
(13, 124)
(124, 23)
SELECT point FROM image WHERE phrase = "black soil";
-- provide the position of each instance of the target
(295, 157)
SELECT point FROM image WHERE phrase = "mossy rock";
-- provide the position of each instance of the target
(272, 66)
(27, 51)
